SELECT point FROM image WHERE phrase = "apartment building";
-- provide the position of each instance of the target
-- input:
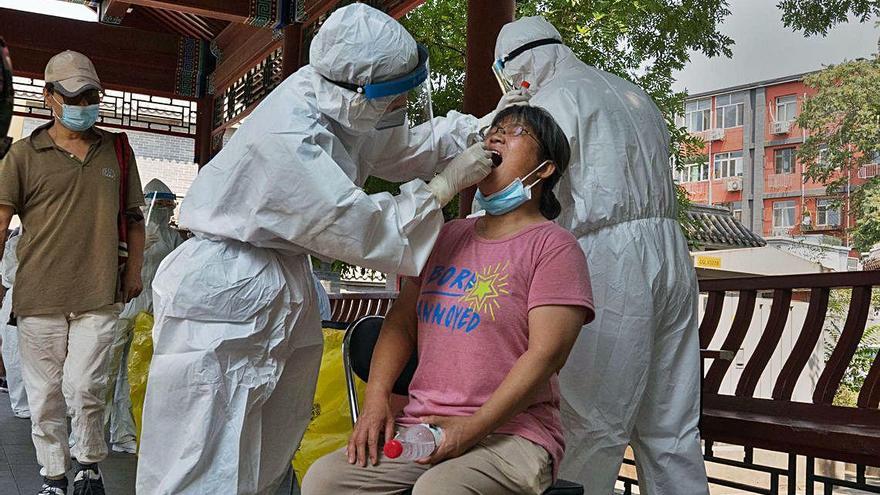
(751, 164)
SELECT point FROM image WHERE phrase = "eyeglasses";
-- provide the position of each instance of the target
(514, 131)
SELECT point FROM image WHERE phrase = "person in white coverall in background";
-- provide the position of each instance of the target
(237, 335)
(634, 375)
(11, 358)
(161, 239)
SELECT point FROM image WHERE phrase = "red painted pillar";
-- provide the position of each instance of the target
(292, 50)
(481, 91)
(204, 130)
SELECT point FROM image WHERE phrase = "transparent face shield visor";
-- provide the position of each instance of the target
(409, 96)
(504, 82)
(158, 200)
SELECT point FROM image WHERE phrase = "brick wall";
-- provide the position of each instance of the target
(176, 175)
(145, 144)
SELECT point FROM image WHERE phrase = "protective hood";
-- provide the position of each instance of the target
(157, 186)
(535, 65)
(359, 45)
(160, 204)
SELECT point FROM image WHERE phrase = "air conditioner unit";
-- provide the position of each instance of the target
(735, 184)
(714, 134)
(780, 127)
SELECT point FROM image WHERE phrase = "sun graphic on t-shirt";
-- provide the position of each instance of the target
(486, 288)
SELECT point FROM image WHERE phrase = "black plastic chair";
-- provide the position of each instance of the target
(357, 353)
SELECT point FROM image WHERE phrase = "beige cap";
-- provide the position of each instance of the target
(72, 73)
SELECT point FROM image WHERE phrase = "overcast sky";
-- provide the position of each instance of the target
(52, 7)
(765, 49)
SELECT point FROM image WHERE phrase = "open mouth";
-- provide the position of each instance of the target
(496, 158)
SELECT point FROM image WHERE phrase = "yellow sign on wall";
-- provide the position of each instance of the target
(708, 262)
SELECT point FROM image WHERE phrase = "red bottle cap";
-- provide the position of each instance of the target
(392, 449)
(525, 85)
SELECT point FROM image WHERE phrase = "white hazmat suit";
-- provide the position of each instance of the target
(237, 335)
(633, 375)
(11, 357)
(161, 239)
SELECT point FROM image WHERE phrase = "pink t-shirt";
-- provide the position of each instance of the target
(475, 297)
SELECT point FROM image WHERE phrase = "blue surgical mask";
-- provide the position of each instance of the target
(509, 198)
(77, 118)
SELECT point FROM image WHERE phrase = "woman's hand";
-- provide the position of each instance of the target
(460, 433)
(377, 418)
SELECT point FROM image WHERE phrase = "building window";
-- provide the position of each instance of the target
(698, 115)
(735, 209)
(785, 161)
(783, 214)
(822, 158)
(827, 213)
(728, 164)
(694, 172)
(729, 110)
(786, 108)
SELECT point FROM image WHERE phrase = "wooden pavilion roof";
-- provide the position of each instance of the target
(168, 47)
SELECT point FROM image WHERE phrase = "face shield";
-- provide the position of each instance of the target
(409, 95)
(159, 202)
(405, 96)
(508, 80)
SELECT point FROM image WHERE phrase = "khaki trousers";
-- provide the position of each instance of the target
(65, 360)
(500, 464)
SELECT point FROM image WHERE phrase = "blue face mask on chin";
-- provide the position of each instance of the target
(510, 198)
(77, 118)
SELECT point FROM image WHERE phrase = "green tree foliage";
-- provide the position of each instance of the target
(818, 16)
(867, 205)
(842, 121)
(854, 378)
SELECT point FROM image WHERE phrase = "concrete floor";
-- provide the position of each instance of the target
(20, 473)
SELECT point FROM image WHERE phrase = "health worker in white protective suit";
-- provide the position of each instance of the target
(11, 357)
(633, 376)
(237, 335)
(161, 239)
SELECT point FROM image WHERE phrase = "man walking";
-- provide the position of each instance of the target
(77, 191)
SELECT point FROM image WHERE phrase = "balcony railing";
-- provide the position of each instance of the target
(869, 170)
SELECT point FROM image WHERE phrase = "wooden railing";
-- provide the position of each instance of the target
(346, 308)
(816, 429)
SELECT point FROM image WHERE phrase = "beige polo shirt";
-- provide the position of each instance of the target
(68, 209)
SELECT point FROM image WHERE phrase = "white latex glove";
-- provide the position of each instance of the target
(511, 98)
(468, 168)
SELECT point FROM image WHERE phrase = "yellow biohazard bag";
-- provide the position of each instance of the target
(331, 417)
(139, 356)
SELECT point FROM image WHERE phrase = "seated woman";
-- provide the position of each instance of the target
(493, 315)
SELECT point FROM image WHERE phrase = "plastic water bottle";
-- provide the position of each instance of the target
(413, 443)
